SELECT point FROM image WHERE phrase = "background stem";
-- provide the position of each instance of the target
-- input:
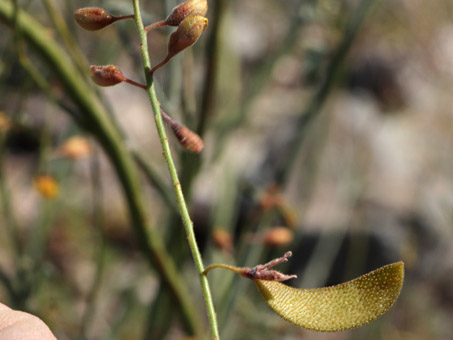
(98, 122)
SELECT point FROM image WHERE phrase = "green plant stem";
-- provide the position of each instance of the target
(98, 122)
(65, 34)
(188, 226)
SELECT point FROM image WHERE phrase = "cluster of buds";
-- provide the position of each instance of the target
(188, 16)
(191, 23)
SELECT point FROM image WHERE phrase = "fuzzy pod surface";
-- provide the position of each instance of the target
(336, 308)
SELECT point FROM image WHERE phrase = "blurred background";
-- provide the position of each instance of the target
(328, 130)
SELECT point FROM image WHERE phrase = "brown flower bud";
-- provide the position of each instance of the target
(93, 18)
(108, 75)
(186, 35)
(188, 139)
(187, 8)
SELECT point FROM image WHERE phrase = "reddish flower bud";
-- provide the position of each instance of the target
(187, 8)
(188, 139)
(93, 18)
(106, 75)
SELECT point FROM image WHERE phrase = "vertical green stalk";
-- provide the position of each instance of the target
(188, 226)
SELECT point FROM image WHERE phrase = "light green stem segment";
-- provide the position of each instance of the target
(237, 270)
(344, 306)
(188, 226)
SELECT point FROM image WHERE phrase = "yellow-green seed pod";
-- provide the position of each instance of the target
(344, 306)
(108, 75)
(187, 8)
(93, 18)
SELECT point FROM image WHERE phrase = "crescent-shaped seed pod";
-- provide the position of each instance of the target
(336, 308)
(329, 309)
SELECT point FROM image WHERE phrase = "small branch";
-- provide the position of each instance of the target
(162, 63)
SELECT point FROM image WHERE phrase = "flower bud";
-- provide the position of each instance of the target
(187, 34)
(93, 18)
(108, 75)
(187, 8)
(188, 139)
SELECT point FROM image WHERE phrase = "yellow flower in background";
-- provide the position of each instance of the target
(75, 147)
(4, 122)
(47, 186)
